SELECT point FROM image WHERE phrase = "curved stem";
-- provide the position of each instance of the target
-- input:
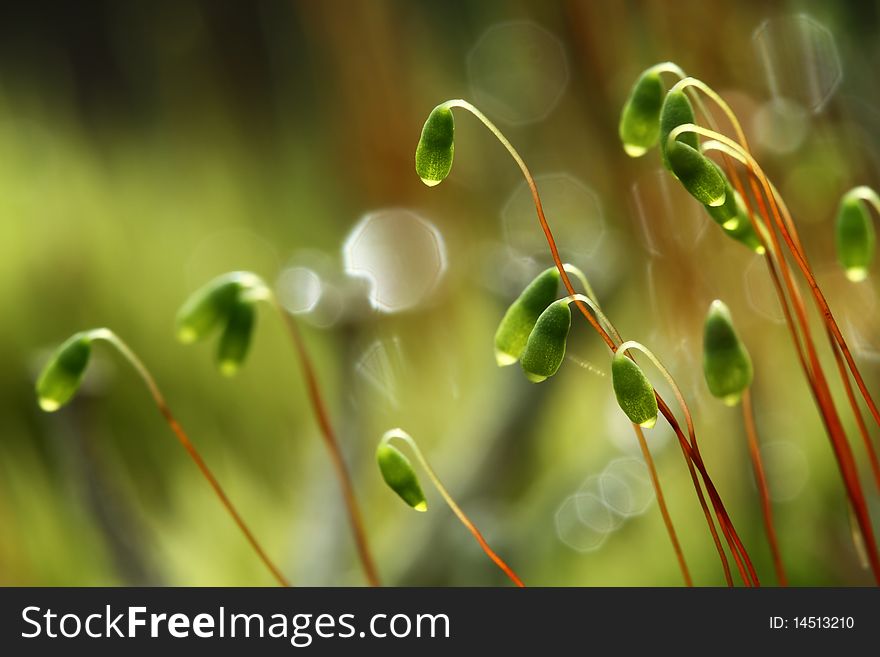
(329, 435)
(405, 437)
(594, 306)
(111, 338)
(691, 458)
(631, 344)
(761, 480)
(530, 181)
(840, 445)
(582, 277)
(593, 303)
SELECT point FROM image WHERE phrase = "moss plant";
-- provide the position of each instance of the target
(229, 301)
(775, 228)
(728, 371)
(687, 443)
(854, 232)
(727, 366)
(61, 378)
(398, 473)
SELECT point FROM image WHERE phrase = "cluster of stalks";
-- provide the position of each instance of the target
(785, 257)
(738, 196)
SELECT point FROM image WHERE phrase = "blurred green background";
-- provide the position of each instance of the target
(148, 146)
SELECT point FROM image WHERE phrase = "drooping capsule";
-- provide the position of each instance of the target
(398, 473)
(697, 173)
(676, 111)
(519, 319)
(727, 365)
(733, 217)
(855, 237)
(436, 146)
(634, 392)
(639, 126)
(62, 375)
(545, 348)
(236, 337)
(209, 306)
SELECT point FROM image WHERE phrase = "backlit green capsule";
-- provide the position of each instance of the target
(676, 111)
(236, 337)
(855, 237)
(726, 362)
(640, 120)
(62, 375)
(635, 394)
(519, 320)
(697, 173)
(733, 217)
(209, 306)
(400, 476)
(545, 348)
(436, 146)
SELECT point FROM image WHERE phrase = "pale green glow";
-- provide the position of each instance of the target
(634, 151)
(732, 400)
(48, 405)
(421, 507)
(228, 367)
(857, 274)
(504, 359)
(430, 183)
(534, 378)
(649, 424)
(186, 335)
(731, 224)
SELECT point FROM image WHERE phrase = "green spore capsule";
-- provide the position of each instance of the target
(676, 111)
(519, 319)
(726, 362)
(236, 337)
(62, 375)
(640, 120)
(545, 348)
(209, 306)
(634, 392)
(400, 476)
(697, 173)
(436, 146)
(855, 238)
(733, 217)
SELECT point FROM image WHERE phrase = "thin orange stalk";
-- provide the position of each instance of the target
(661, 503)
(723, 518)
(159, 399)
(332, 444)
(761, 480)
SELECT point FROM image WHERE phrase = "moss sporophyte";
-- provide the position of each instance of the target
(548, 337)
(228, 302)
(774, 236)
(399, 474)
(61, 378)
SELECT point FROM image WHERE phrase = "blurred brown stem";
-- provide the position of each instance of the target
(322, 417)
(159, 399)
(761, 480)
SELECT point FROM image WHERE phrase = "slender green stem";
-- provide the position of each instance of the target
(111, 338)
(405, 437)
(865, 193)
